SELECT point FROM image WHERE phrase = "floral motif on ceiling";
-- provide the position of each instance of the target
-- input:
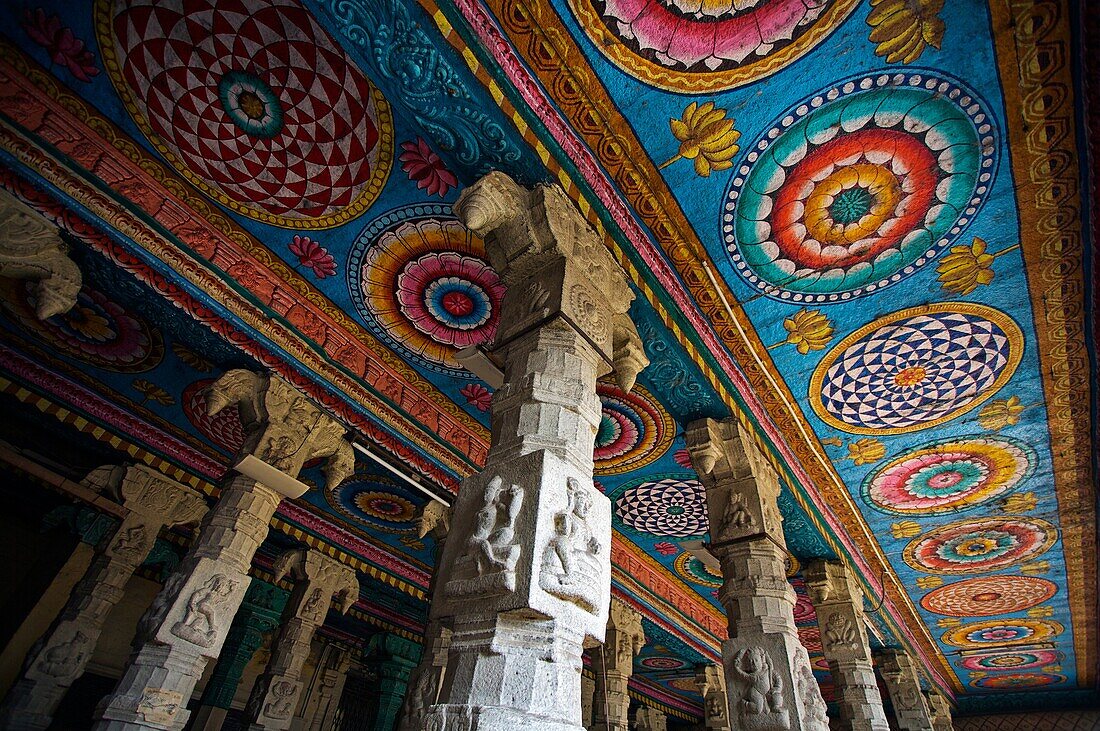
(257, 106)
(423, 284)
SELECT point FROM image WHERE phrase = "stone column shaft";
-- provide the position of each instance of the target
(838, 602)
(397, 659)
(650, 719)
(62, 654)
(258, 616)
(188, 621)
(768, 675)
(903, 684)
(614, 666)
(324, 701)
(588, 700)
(711, 680)
(528, 559)
(318, 579)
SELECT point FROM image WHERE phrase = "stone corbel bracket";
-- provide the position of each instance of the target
(32, 249)
(554, 264)
(322, 572)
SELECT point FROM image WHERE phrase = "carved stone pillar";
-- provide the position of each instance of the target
(649, 719)
(615, 664)
(839, 604)
(903, 684)
(31, 248)
(332, 672)
(259, 615)
(427, 679)
(940, 709)
(768, 675)
(397, 658)
(318, 579)
(711, 680)
(528, 561)
(588, 700)
(188, 620)
(153, 501)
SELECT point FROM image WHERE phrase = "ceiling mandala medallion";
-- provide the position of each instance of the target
(989, 595)
(423, 285)
(97, 330)
(859, 187)
(1014, 660)
(253, 103)
(949, 475)
(980, 545)
(374, 502)
(696, 572)
(997, 633)
(916, 368)
(699, 46)
(634, 430)
(1010, 681)
(672, 505)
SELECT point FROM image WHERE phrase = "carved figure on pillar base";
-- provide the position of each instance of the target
(61, 655)
(188, 621)
(562, 326)
(940, 709)
(614, 667)
(768, 676)
(318, 579)
(650, 719)
(711, 681)
(31, 248)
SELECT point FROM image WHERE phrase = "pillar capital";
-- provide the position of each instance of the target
(434, 521)
(903, 683)
(940, 709)
(711, 681)
(742, 486)
(32, 248)
(321, 579)
(282, 427)
(554, 264)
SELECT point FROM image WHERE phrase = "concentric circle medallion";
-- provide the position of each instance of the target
(949, 475)
(421, 281)
(691, 568)
(634, 430)
(980, 545)
(699, 46)
(989, 595)
(859, 187)
(375, 502)
(662, 663)
(998, 633)
(97, 330)
(1015, 660)
(672, 505)
(1018, 680)
(253, 103)
(916, 368)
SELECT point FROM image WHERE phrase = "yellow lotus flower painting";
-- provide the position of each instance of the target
(706, 136)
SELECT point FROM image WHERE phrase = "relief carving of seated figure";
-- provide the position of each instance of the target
(570, 566)
(493, 539)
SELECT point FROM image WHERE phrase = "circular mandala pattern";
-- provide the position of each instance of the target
(698, 46)
(634, 430)
(96, 331)
(916, 368)
(697, 572)
(223, 429)
(810, 637)
(1018, 680)
(980, 545)
(1009, 632)
(989, 595)
(375, 503)
(422, 283)
(1021, 660)
(254, 103)
(949, 475)
(859, 187)
(670, 506)
(662, 663)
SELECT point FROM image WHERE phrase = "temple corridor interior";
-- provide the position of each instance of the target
(485, 365)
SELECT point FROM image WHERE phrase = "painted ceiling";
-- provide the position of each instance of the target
(858, 226)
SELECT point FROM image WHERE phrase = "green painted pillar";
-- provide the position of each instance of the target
(260, 613)
(395, 660)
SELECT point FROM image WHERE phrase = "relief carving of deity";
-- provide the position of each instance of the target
(200, 623)
(840, 633)
(761, 704)
(571, 569)
(493, 552)
(64, 658)
(282, 700)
